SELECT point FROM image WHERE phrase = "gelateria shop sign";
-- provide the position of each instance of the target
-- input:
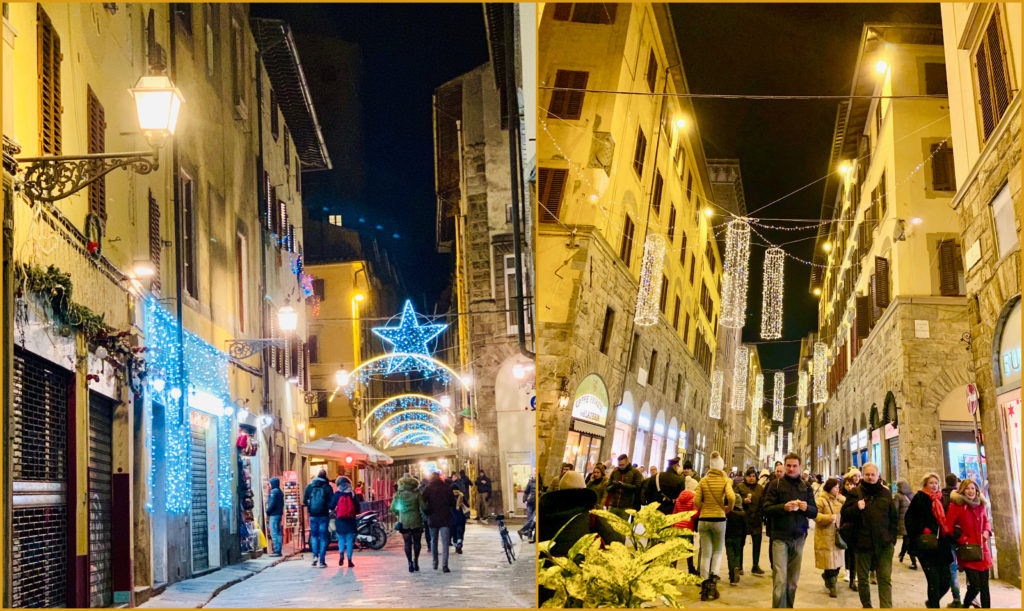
(1009, 349)
(591, 401)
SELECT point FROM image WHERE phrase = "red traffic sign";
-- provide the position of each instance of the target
(972, 398)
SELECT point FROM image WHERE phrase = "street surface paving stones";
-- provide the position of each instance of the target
(908, 586)
(480, 577)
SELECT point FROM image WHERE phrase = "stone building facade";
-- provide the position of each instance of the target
(988, 206)
(613, 172)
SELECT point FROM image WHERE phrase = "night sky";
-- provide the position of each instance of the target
(372, 69)
(778, 49)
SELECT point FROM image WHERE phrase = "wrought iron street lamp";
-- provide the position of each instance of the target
(287, 321)
(51, 178)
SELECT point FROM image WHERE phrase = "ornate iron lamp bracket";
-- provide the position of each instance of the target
(53, 178)
(244, 348)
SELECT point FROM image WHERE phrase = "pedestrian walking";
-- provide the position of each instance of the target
(460, 512)
(789, 503)
(439, 500)
(735, 535)
(772, 478)
(623, 485)
(968, 520)
(873, 512)
(684, 503)
(848, 530)
(275, 510)
(317, 499)
(530, 500)
(902, 500)
(408, 505)
(344, 507)
(927, 534)
(483, 495)
(598, 482)
(751, 492)
(952, 482)
(828, 543)
(665, 487)
(715, 498)
(565, 512)
(462, 483)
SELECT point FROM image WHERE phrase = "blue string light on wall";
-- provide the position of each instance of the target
(206, 370)
(410, 338)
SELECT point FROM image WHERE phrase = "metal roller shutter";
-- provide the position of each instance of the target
(39, 526)
(100, 500)
(200, 542)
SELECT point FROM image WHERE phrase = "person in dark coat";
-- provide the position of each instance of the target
(317, 499)
(483, 495)
(275, 510)
(569, 507)
(789, 504)
(952, 482)
(530, 500)
(849, 531)
(439, 500)
(624, 484)
(735, 536)
(902, 499)
(345, 525)
(665, 487)
(462, 483)
(874, 515)
(751, 492)
(926, 516)
(460, 511)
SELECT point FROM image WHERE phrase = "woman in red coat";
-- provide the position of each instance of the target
(684, 502)
(967, 518)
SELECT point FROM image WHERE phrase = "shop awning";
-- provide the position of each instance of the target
(340, 448)
(413, 452)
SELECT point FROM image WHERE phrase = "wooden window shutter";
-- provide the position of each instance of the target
(283, 227)
(981, 67)
(949, 284)
(663, 299)
(639, 153)
(314, 348)
(267, 200)
(659, 186)
(155, 242)
(48, 57)
(291, 237)
(563, 11)
(1000, 75)
(652, 71)
(671, 223)
(882, 280)
(551, 185)
(863, 316)
(682, 249)
(97, 130)
(568, 104)
(626, 248)
(675, 314)
(943, 176)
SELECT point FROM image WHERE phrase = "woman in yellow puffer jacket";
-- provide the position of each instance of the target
(714, 497)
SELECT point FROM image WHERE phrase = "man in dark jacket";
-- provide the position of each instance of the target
(750, 493)
(317, 499)
(788, 503)
(530, 500)
(664, 487)
(440, 500)
(462, 483)
(275, 509)
(483, 495)
(872, 511)
(624, 484)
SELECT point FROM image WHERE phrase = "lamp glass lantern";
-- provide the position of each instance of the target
(157, 104)
(287, 318)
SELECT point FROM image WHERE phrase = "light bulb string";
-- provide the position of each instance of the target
(745, 96)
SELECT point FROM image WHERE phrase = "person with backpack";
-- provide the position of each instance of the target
(715, 499)
(344, 509)
(409, 506)
(735, 536)
(275, 510)
(317, 499)
(665, 487)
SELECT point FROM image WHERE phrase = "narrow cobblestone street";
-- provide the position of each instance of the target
(908, 586)
(480, 577)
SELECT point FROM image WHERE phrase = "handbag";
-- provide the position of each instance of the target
(926, 543)
(840, 542)
(969, 552)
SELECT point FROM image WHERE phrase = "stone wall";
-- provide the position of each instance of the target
(991, 284)
(920, 372)
(571, 350)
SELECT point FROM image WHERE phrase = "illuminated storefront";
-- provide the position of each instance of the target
(587, 428)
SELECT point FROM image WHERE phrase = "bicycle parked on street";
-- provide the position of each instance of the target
(506, 540)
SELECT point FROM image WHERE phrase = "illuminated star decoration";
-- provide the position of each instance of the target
(410, 338)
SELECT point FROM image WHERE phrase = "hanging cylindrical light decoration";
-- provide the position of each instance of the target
(780, 439)
(771, 297)
(801, 389)
(715, 410)
(755, 409)
(739, 378)
(789, 441)
(735, 271)
(779, 393)
(651, 270)
(820, 391)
